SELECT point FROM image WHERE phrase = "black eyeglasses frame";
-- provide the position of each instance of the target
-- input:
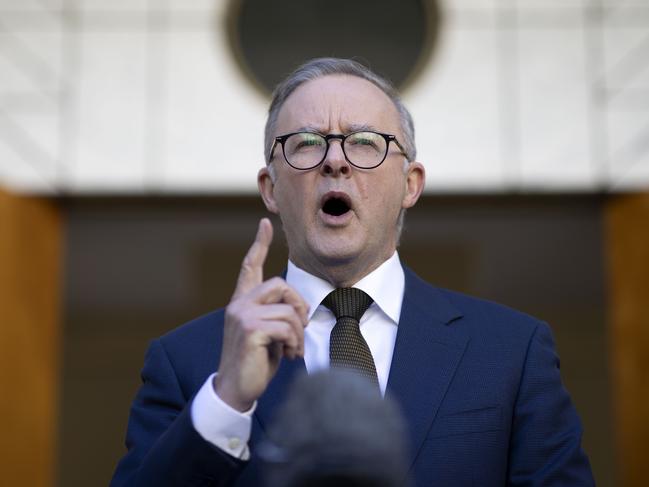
(281, 139)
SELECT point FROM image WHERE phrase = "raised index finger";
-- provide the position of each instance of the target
(252, 267)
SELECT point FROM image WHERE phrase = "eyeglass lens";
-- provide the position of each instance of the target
(363, 149)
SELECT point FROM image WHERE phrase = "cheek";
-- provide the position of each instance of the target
(291, 197)
(387, 192)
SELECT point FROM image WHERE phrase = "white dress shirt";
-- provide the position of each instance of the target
(229, 429)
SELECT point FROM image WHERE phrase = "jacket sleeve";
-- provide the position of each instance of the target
(164, 449)
(545, 448)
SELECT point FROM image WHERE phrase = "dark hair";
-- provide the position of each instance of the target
(335, 429)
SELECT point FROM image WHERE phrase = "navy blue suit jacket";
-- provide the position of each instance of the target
(478, 384)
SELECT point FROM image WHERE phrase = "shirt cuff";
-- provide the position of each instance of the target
(219, 424)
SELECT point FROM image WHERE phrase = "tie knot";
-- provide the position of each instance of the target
(347, 302)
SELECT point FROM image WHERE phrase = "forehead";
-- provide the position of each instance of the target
(338, 103)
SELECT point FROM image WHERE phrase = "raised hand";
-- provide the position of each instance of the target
(264, 322)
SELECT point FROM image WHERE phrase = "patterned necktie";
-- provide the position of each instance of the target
(347, 347)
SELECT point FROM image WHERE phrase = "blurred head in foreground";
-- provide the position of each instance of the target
(335, 430)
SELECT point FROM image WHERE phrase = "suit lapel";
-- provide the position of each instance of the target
(277, 390)
(278, 387)
(426, 355)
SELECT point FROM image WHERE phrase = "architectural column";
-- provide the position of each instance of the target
(627, 223)
(30, 265)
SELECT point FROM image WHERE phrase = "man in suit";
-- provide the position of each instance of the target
(478, 383)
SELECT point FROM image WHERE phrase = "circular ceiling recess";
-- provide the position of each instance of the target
(395, 38)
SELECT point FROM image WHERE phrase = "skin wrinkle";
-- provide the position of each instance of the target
(402, 215)
(351, 127)
(318, 68)
(340, 253)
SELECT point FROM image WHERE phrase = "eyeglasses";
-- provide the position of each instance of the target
(306, 150)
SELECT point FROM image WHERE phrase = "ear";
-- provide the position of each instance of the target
(415, 180)
(266, 187)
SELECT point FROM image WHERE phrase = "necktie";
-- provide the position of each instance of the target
(347, 347)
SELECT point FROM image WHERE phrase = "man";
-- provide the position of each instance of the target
(478, 383)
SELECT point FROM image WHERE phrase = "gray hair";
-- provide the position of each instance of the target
(326, 66)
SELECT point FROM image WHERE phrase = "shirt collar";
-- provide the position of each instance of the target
(385, 285)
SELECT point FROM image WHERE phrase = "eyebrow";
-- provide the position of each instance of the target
(308, 128)
(361, 127)
(353, 127)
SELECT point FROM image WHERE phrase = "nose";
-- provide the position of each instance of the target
(335, 163)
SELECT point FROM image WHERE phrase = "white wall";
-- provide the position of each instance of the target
(144, 96)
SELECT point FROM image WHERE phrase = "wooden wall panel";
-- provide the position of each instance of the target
(628, 249)
(30, 251)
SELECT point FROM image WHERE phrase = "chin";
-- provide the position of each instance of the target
(337, 252)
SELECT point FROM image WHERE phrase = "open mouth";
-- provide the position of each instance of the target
(336, 204)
